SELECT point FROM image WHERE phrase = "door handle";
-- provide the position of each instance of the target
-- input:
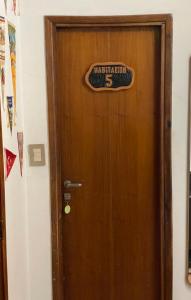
(68, 184)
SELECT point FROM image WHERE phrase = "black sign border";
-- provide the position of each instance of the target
(108, 88)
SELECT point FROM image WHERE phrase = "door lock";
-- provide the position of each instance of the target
(69, 185)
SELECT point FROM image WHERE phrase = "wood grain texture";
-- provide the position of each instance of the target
(114, 21)
(109, 143)
(55, 179)
(168, 252)
(117, 118)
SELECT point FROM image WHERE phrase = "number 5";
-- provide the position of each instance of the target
(108, 79)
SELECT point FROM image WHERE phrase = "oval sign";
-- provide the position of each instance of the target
(109, 76)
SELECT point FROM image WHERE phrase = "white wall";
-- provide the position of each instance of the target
(14, 185)
(15, 196)
(35, 112)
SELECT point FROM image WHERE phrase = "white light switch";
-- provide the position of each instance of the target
(36, 155)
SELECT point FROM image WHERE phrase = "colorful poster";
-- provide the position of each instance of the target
(10, 159)
(2, 59)
(12, 44)
(14, 4)
(10, 112)
(15, 7)
(20, 148)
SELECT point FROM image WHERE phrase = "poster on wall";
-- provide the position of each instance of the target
(10, 159)
(12, 45)
(10, 112)
(2, 59)
(20, 148)
(15, 7)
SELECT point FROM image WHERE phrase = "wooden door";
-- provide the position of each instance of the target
(110, 143)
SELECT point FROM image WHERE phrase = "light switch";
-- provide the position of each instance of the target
(36, 155)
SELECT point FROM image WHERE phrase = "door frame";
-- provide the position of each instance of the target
(3, 247)
(165, 23)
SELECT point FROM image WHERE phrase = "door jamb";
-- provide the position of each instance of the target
(52, 23)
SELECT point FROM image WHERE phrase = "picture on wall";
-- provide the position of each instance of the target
(10, 159)
(15, 7)
(14, 4)
(2, 59)
(20, 148)
(12, 45)
(10, 112)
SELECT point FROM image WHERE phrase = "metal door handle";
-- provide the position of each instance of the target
(68, 184)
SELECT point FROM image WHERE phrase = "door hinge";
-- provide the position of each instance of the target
(1, 230)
